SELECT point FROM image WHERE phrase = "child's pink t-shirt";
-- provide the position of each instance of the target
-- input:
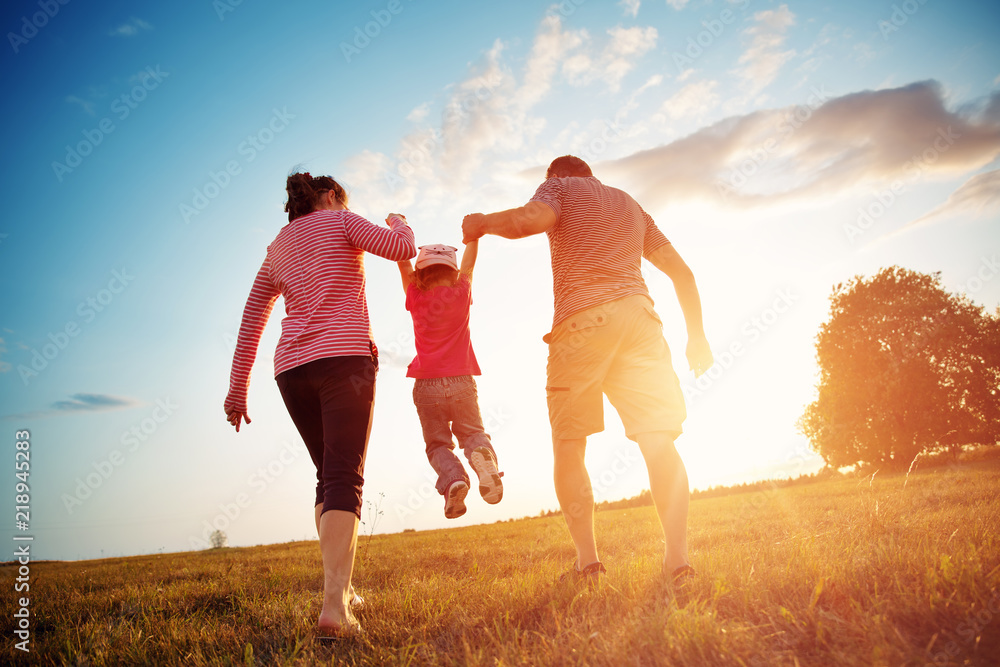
(441, 330)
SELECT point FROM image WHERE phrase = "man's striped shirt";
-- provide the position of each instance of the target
(597, 243)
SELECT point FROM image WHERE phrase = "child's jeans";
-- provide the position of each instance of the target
(445, 406)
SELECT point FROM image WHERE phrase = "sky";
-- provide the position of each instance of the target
(782, 147)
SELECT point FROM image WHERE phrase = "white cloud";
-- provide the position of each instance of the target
(863, 53)
(419, 113)
(88, 107)
(483, 116)
(764, 58)
(693, 100)
(490, 116)
(600, 136)
(631, 7)
(80, 403)
(485, 112)
(685, 75)
(817, 53)
(978, 197)
(626, 47)
(552, 46)
(677, 4)
(577, 68)
(130, 28)
(4, 366)
(618, 57)
(816, 153)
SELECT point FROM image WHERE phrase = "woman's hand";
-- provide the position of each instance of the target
(388, 218)
(234, 413)
(235, 416)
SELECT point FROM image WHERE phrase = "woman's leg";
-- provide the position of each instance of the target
(347, 393)
(338, 540)
(330, 401)
(354, 600)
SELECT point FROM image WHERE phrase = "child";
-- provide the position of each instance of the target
(438, 296)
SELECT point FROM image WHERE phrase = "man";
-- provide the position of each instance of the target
(607, 339)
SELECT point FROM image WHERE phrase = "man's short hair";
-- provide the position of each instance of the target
(568, 165)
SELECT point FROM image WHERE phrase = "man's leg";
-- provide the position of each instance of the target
(576, 497)
(668, 484)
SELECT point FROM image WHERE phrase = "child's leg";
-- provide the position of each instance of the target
(433, 411)
(467, 423)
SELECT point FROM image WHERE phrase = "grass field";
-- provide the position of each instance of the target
(842, 572)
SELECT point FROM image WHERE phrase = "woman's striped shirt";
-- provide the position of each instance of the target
(316, 262)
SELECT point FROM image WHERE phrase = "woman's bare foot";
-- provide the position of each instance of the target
(354, 600)
(337, 615)
(330, 626)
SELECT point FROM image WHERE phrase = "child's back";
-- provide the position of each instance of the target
(441, 329)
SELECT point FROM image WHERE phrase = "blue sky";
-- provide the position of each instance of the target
(783, 147)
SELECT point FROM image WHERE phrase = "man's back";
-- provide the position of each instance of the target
(597, 243)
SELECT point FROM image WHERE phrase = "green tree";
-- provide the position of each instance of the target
(905, 368)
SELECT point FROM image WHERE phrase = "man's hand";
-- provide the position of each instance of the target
(473, 227)
(699, 355)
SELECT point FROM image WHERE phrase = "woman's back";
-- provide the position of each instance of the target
(320, 273)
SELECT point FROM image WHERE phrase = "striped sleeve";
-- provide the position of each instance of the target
(395, 243)
(653, 238)
(550, 194)
(263, 294)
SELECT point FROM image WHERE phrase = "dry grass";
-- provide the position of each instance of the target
(843, 572)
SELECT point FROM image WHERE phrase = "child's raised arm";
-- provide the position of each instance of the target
(469, 257)
(406, 273)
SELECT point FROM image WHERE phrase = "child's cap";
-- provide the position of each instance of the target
(437, 254)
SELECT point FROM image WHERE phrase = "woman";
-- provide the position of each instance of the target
(326, 361)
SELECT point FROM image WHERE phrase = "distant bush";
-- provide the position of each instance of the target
(218, 539)
(940, 459)
(645, 498)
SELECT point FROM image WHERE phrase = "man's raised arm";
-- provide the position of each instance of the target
(516, 223)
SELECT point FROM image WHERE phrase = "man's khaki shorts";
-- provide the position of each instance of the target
(617, 349)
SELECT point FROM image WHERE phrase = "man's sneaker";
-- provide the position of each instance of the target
(490, 486)
(591, 575)
(454, 499)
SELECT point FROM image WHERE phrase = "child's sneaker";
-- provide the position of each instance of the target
(490, 486)
(454, 499)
